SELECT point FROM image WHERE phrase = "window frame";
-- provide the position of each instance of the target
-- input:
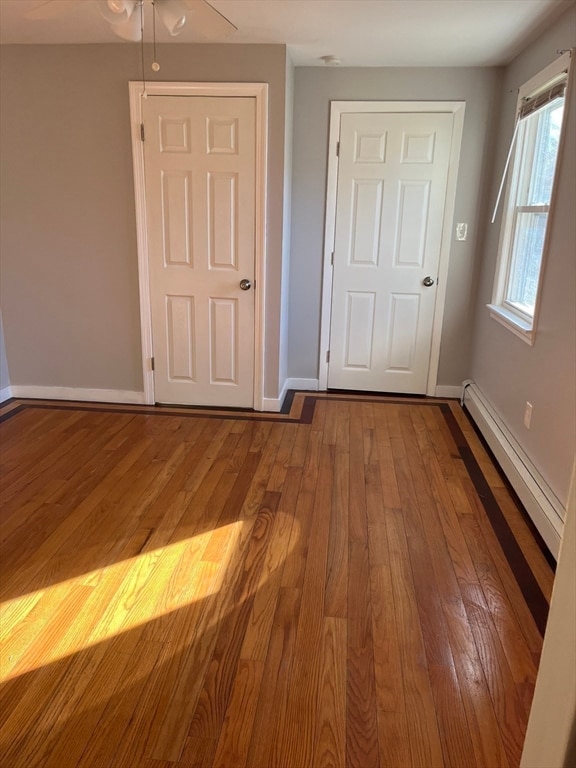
(522, 324)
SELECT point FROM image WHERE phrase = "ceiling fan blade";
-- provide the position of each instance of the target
(49, 9)
(131, 29)
(207, 21)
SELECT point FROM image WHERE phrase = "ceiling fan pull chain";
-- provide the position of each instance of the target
(141, 4)
(155, 65)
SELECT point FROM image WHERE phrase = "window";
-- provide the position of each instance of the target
(533, 159)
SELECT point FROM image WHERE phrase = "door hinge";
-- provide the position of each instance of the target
(337, 149)
(328, 356)
(332, 258)
(152, 363)
(142, 132)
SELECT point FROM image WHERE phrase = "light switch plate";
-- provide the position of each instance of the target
(528, 414)
(461, 231)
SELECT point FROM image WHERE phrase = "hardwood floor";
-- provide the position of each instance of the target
(348, 583)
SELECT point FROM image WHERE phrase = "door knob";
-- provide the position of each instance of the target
(428, 281)
(245, 284)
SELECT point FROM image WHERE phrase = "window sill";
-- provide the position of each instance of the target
(521, 328)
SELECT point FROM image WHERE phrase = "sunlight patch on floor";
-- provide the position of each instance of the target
(50, 624)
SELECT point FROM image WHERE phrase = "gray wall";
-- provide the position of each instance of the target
(314, 89)
(508, 371)
(287, 220)
(68, 249)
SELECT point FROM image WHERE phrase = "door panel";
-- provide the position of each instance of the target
(223, 341)
(359, 330)
(222, 215)
(200, 208)
(410, 240)
(177, 217)
(402, 339)
(392, 178)
(180, 337)
(365, 229)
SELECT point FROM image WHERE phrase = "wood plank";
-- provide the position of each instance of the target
(265, 591)
(460, 734)
(336, 598)
(170, 735)
(330, 747)
(514, 641)
(213, 701)
(185, 666)
(457, 743)
(261, 476)
(300, 449)
(525, 538)
(481, 717)
(508, 706)
(357, 527)
(387, 655)
(388, 480)
(342, 444)
(424, 737)
(271, 712)
(300, 730)
(295, 565)
(234, 742)
(362, 746)
(428, 592)
(277, 474)
(198, 753)
(121, 707)
(186, 625)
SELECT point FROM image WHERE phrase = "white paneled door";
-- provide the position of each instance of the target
(392, 178)
(200, 214)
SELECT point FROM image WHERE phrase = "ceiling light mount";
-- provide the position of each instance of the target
(125, 16)
(331, 60)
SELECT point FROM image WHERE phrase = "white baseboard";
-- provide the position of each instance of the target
(303, 385)
(541, 503)
(274, 404)
(72, 393)
(444, 390)
(271, 404)
(5, 394)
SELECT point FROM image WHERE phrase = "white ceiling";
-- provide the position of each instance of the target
(361, 33)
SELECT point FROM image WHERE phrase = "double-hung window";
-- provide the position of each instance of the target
(533, 160)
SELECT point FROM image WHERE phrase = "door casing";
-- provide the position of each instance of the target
(260, 92)
(337, 108)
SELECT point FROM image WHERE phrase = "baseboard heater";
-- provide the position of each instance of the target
(541, 503)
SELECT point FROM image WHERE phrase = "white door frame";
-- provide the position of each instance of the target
(337, 108)
(259, 91)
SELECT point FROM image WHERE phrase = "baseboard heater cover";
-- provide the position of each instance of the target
(541, 503)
